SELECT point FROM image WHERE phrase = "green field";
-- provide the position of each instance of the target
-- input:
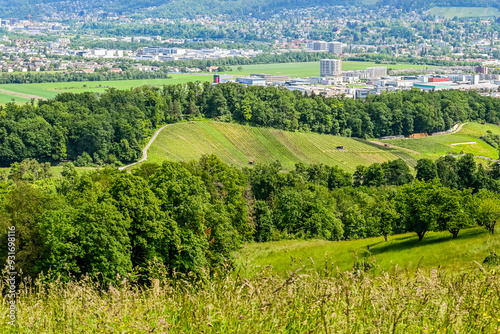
(310, 69)
(237, 145)
(6, 98)
(467, 139)
(451, 12)
(50, 90)
(451, 293)
(437, 249)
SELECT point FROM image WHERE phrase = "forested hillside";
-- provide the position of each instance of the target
(192, 8)
(111, 128)
(408, 5)
(158, 8)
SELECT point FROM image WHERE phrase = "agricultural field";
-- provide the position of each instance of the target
(22, 93)
(309, 69)
(50, 90)
(237, 145)
(451, 12)
(403, 252)
(465, 141)
(7, 97)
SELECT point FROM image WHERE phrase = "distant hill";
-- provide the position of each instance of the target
(191, 8)
(410, 5)
(157, 8)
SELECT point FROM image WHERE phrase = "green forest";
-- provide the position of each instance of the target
(112, 127)
(189, 217)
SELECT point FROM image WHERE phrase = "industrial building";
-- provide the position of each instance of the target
(271, 78)
(253, 81)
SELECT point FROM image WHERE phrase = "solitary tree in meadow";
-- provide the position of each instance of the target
(419, 206)
(387, 216)
(454, 210)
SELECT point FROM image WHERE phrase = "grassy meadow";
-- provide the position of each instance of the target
(320, 297)
(401, 252)
(465, 141)
(451, 12)
(237, 145)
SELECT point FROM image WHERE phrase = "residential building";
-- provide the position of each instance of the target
(376, 72)
(318, 46)
(330, 67)
(335, 48)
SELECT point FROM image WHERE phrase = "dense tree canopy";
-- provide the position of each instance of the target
(190, 217)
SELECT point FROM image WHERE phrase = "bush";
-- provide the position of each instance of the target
(493, 259)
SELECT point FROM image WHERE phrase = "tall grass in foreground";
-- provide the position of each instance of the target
(350, 302)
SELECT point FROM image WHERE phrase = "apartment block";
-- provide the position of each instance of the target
(330, 67)
(335, 48)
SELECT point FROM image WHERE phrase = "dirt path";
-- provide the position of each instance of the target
(26, 96)
(393, 146)
(458, 128)
(145, 150)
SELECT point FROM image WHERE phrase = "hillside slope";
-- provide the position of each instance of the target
(237, 145)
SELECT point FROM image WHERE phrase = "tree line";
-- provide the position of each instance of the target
(41, 77)
(387, 58)
(190, 216)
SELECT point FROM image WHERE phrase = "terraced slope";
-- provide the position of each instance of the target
(238, 145)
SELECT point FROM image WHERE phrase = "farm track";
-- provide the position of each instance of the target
(145, 150)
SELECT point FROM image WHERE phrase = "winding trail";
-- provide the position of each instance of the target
(145, 150)
(458, 129)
